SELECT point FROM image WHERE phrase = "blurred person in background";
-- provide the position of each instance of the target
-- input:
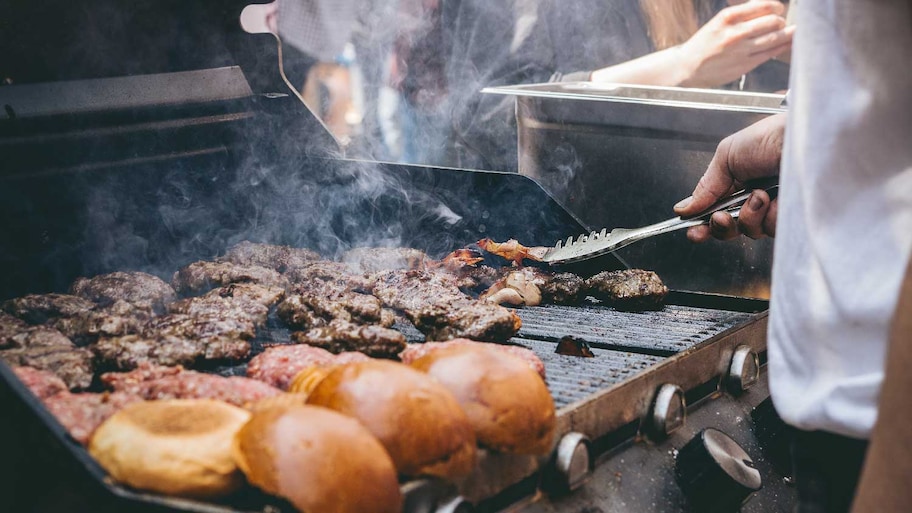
(840, 323)
(688, 43)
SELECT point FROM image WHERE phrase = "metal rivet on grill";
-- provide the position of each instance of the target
(573, 462)
(455, 505)
(715, 473)
(743, 371)
(668, 412)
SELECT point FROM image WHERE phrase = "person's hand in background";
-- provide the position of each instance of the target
(751, 153)
(736, 40)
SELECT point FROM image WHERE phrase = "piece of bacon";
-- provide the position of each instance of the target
(461, 258)
(512, 250)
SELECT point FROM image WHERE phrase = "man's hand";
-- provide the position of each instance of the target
(736, 40)
(752, 153)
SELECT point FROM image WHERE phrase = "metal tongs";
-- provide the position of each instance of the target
(599, 243)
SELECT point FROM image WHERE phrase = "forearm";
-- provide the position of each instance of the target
(662, 68)
(884, 484)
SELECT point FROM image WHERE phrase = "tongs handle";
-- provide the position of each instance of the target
(732, 204)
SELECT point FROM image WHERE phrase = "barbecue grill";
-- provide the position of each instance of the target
(170, 158)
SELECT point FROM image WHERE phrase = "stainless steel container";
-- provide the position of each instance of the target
(621, 156)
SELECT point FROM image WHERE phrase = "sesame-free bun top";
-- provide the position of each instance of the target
(319, 460)
(506, 401)
(176, 447)
(416, 419)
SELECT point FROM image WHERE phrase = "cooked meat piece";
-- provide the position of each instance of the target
(317, 302)
(512, 250)
(277, 366)
(416, 351)
(270, 256)
(339, 336)
(533, 286)
(370, 260)
(216, 306)
(38, 308)
(332, 272)
(465, 319)
(475, 278)
(200, 277)
(9, 327)
(71, 364)
(438, 309)
(130, 351)
(201, 327)
(119, 319)
(81, 414)
(40, 336)
(387, 317)
(263, 294)
(628, 289)
(140, 289)
(42, 383)
(154, 385)
(573, 346)
(123, 381)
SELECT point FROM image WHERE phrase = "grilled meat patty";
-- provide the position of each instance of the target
(47, 349)
(39, 308)
(435, 305)
(318, 302)
(332, 272)
(128, 352)
(156, 383)
(278, 366)
(201, 277)
(121, 318)
(9, 327)
(278, 258)
(81, 414)
(215, 306)
(531, 286)
(266, 295)
(370, 260)
(341, 336)
(42, 383)
(628, 289)
(137, 288)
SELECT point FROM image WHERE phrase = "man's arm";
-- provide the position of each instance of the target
(885, 480)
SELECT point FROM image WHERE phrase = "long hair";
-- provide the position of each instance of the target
(671, 22)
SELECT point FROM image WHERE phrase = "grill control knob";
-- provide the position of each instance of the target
(715, 473)
(743, 371)
(572, 460)
(667, 413)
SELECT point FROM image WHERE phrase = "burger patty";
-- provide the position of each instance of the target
(278, 258)
(628, 289)
(137, 288)
(530, 286)
(337, 273)
(39, 308)
(42, 383)
(154, 384)
(85, 327)
(130, 351)
(372, 260)
(201, 277)
(341, 336)
(416, 351)
(317, 303)
(215, 306)
(10, 327)
(81, 414)
(47, 349)
(435, 305)
(277, 366)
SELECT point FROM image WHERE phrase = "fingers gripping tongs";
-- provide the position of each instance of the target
(599, 243)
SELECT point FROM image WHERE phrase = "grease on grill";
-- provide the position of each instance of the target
(572, 346)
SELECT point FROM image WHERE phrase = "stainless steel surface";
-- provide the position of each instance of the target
(623, 157)
(598, 243)
(743, 371)
(668, 413)
(572, 460)
(456, 505)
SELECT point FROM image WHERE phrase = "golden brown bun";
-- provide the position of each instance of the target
(305, 381)
(279, 401)
(506, 401)
(175, 447)
(320, 460)
(415, 418)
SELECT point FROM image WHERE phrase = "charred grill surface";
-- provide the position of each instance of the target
(435, 305)
(628, 289)
(278, 258)
(200, 277)
(341, 336)
(39, 308)
(140, 289)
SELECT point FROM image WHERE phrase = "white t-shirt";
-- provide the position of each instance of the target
(844, 231)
